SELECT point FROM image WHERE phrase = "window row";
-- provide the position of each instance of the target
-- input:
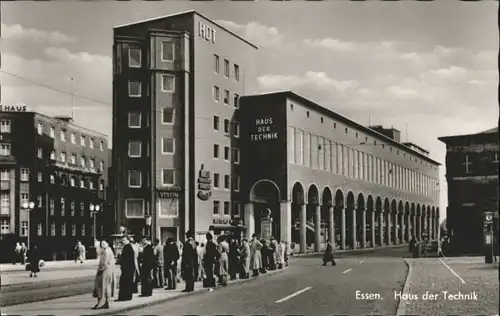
(5, 126)
(84, 162)
(317, 152)
(136, 208)
(135, 86)
(74, 181)
(227, 68)
(235, 130)
(227, 150)
(53, 229)
(474, 163)
(24, 174)
(84, 140)
(5, 149)
(167, 147)
(227, 97)
(135, 119)
(226, 211)
(167, 54)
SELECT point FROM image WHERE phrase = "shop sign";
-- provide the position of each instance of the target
(232, 222)
(204, 184)
(206, 32)
(169, 193)
(264, 129)
(13, 108)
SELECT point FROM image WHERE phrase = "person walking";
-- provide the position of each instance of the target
(147, 266)
(129, 269)
(234, 259)
(24, 253)
(244, 259)
(34, 257)
(170, 257)
(17, 253)
(209, 259)
(158, 276)
(189, 262)
(104, 284)
(255, 255)
(80, 252)
(328, 255)
(223, 249)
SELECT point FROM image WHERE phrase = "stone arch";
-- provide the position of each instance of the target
(265, 197)
(400, 222)
(413, 221)
(407, 222)
(298, 202)
(393, 221)
(360, 212)
(262, 191)
(339, 234)
(326, 220)
(298, 193)
(350, 220)
(313, 195)
(370, 221)
(379, 221)
(313, 201)
(418, 222)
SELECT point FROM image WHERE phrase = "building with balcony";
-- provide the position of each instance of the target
(472, 176)
(176, 153)
(62, 169)
(309, 174)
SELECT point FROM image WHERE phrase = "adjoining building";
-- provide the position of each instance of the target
(176, 153)
(310, 174)
(472, 176)
(53, 175)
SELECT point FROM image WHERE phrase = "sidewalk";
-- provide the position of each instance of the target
(7, 267)
(23, 277)
(82, 304)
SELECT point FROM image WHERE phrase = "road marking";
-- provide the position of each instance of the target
(346, 271)
(454, 273)
(361, 261)
(293, 295)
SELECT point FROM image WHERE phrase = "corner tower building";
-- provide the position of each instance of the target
(176, 86)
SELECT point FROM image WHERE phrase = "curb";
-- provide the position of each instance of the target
(195, 292)
(406, 289)
(339, 251)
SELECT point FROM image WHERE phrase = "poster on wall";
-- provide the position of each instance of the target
(204, 184)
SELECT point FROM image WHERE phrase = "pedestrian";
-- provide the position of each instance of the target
(104, 284)
(328, 256)
(158, 276)
(80, 252)
(272, 253)
(411, 244)
(17, 253)
(209, 259)
(189, 263)
(264, 256)
(170, 258)
(179, 261)
(129, 269)
(280, 255)
(234, 259)
(255, 255)
(24, 253)
(287, 253)
(200, 251)
(34, 258)
(223, 249)
(147, 266)
(244, 259)
(137, 277)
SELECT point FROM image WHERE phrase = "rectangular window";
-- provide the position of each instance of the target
(226, 126)
(52, 229)
(52, 132)
(82, 161)
(226, 97)
(168, 177)
(134, 179)
(101, 165)
(216, 180)
(134, 208)
(73, 230)
(134, 89)
(168, 207)
(168, 115)
(52, 179)
(25, 174)
(53, 155)
(236, 183)
(5, 150)
(5, 204)
(167, 145)
(227, 208)
(5, 126)
(216, 123)
(91, 143)
(134, 58)
(39, 177)
(82, 230)
(24, 228)
(39, 229)
(83, 140)
(227, 182)
(5, 175)
(215, 92)
(236, 131)
(168, 83)
(52, 206)
(236, 72)
(236, 155)
(216, 151)
(226, 153)
(4, 227)
(134, 120)
(101, 145)
(63, 229)
(39, 153)
(92, 163)
(63, 207)
(63, 135)
(39, 201)
(236, 209)
(216, 207)
(73, 138)
(134, 148)
(291, 144)
(236, 100)
(167, 51)
(216, 64)
(39, 128)
(72, 206)
(24, 198)
(226, 68)
(73, 159)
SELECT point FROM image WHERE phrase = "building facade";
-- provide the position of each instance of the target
(306, 167)
(62, 169)
(176, 154)
(472, 176)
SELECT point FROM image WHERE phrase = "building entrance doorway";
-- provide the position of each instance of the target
(167, 232)
(265, 197)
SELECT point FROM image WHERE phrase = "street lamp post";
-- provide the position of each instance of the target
(94, 210)
(148, 223)
(29, 206)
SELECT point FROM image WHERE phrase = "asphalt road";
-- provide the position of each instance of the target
(306, 288)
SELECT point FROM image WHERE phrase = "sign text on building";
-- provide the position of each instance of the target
(233, 222)
(169, 193)
(206, 32)
(204, 184)
(264, 129)
(13, 108)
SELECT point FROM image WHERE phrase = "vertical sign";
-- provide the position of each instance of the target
(206, 32)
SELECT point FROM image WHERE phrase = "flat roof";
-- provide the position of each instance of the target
(185, 13)
(487, 133)
(316, 106)
(415, 145)
(95, 133)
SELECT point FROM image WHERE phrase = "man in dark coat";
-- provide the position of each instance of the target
(328, 256)
(148, 264)
(209, 260)
(158, 277)
(170, 258)
(189, 263)
(234, 259)
(129, 270)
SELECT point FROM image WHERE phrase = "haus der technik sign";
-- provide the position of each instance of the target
(265, 129)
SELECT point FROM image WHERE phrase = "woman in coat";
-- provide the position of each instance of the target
(255, 255)
(328, 256)
(223, 249)
(244, 259)
(34, 257)
(104, 284)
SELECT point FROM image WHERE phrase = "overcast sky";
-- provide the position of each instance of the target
(430, 66)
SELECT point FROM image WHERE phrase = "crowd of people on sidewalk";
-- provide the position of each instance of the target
(212, 262)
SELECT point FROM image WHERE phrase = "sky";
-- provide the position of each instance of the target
(428, 69)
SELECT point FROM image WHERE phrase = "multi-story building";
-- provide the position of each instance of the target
(472, 176)
(176, 87)
(61, 168)
(318, 175)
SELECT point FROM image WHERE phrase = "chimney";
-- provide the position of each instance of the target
(389, 132)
